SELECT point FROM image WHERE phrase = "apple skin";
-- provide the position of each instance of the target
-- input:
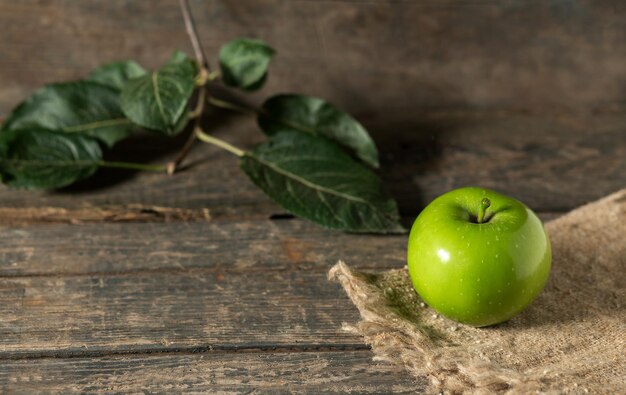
(478, 274)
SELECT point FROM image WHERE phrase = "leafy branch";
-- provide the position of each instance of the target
(317, 161)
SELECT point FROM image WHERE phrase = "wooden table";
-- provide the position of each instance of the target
(198, 282)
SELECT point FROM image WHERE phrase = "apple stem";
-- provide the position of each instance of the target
(484, 205)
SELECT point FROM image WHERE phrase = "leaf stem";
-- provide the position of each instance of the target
(133, 166)
(231, 106)
(207, 138)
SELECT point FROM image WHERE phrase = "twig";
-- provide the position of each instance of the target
(204, 77)
(193, 35)
(197, 114)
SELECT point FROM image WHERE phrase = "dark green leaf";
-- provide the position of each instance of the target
(157, 101)
(81, 107)
(244, 63)
(314, 178)
(43, 159)
(316, 116)
(179, 57)
(116, 75)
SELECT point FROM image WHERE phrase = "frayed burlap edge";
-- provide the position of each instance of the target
(571, 340)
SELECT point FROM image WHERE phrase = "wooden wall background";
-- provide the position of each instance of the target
(370, 56)
(543, 82)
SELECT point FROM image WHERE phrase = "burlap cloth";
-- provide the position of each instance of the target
(570, 340)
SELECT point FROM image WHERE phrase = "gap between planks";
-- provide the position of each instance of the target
(175, 271)
(187, 350)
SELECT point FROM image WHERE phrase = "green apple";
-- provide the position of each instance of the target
(477, 256)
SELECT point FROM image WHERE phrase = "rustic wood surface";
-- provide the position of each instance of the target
(278, 372)
(197, 282)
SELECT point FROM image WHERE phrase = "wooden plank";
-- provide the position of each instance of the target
(217, 247)
(527, 56)
(65, 316)
(214, 247)
(311, 372)
(552, 164)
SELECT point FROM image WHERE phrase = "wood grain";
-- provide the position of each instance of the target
(65, 316)
(310, 372)
(539, 56)
(234, 247)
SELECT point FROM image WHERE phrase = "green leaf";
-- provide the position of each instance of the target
(158, 100)
(44, 159)
(314, 178)
(81, 107)
(244, 63)
(316, 116)
(179, 57)
(117, 74)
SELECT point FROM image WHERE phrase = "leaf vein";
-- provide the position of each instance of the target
(96, 125)
(309, 183)
(157, 96)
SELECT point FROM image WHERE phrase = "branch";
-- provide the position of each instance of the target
(197, 113)
(204, 73)
(193, 35)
